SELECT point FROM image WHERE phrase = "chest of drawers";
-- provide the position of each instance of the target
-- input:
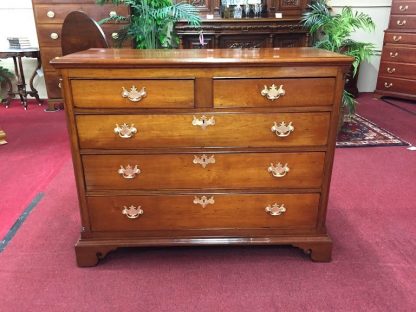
(397, 73)
(49, 17)
(202, 147)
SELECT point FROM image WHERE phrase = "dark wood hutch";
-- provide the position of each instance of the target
(267, 30)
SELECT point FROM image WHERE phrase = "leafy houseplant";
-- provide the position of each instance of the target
(4, 74)
(151, 23)
(333, 32)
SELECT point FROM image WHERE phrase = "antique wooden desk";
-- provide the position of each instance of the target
(22, 92)
(202, 147)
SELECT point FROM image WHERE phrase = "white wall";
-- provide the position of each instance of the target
(379, 10)
(16, 19)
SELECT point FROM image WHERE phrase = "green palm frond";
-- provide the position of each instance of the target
(333, 32)
(180, 11)
(151, 23)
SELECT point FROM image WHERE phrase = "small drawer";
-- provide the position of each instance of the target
(49, 35)
(396, 85)
(203, 130)
(400, 38)
(53, 85)
(398, 54)
(402, 22)
(156, 93)
(400, 70)
(47, 54)
(55, 14)
(188, 171)
(403, 7)
(280, 92)
(183, 212)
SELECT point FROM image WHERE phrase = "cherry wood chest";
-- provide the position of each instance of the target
(202, 147)
(397, 73)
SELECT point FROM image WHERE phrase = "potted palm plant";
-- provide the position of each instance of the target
(151, 23)
(5, 75)
(333, 32)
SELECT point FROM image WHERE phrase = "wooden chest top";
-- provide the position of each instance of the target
(239, 57)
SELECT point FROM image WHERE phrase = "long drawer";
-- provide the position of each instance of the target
(164, 212)
(397, 85)
(197, 171)
(273, 92)
(389, 69)
(403, 7)
(150, 93)
(400, 38)
(402, 22)
(203, 130)
(393, 53)
(45, 13)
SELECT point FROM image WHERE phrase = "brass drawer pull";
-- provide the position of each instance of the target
(203, 122)
(54, 36)
(395, 54)
(278, 171)
(114, 35)
(273, 93)
(391, 70)
(112, 13)
(134, 95)
(204, 160)
(397, 38)
(282, 130)
(275, 209)
(129, 172)
(125, 131)
(132, 212)
(204, 201)
(401, 23)
(403, 8)
(388, 85)
(50, 14)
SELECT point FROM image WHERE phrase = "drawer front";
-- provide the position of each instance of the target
(157, 93)
(403, 7)
(178, 212)
(396, 85)
(52, 81)
(400, 38)
(47, 54)
(45, 13)
(49, 35)
(399, 70)
(187, 130)
(402, 22)
(220, 171)
(399, 54)
(273, 92)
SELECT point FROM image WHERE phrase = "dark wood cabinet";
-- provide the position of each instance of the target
(249, 32)
(397, 73)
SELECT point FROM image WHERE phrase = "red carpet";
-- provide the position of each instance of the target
(36, 150)
(371, 220)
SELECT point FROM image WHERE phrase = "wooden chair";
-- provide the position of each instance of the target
(80, 32)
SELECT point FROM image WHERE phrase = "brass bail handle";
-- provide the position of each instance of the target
(273, 92)
(134, 95)
(132, 212)
(125, 131)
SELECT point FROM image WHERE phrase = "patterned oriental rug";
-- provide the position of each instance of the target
(360, 132)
